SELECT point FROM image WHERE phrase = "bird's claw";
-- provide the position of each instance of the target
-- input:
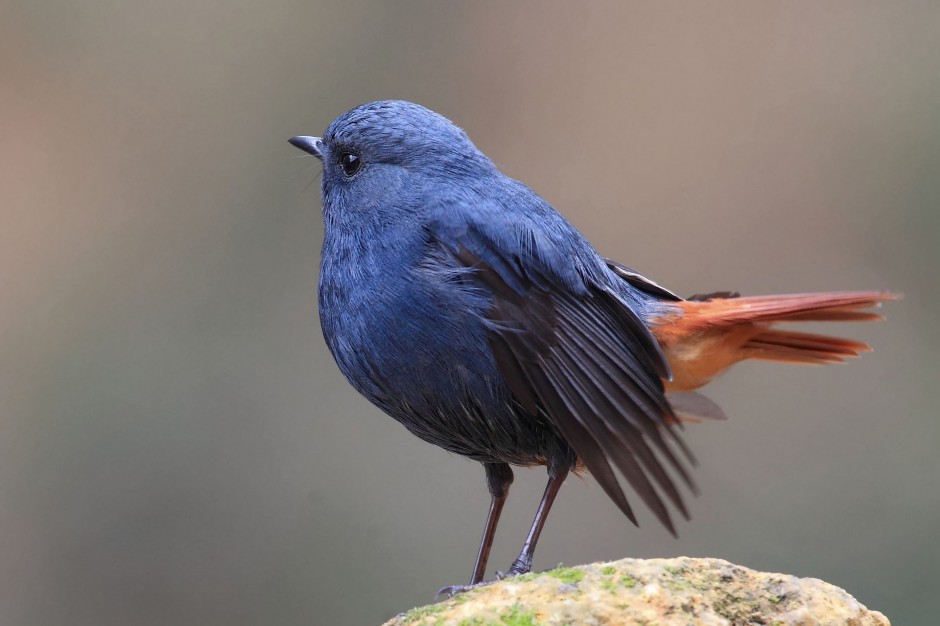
(450, 591)
(513, 572)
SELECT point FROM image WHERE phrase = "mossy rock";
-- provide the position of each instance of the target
(661, 592)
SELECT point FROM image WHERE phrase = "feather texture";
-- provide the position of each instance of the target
(576, 360)
(704, 337)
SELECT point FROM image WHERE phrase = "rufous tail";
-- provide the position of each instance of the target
(704, 337)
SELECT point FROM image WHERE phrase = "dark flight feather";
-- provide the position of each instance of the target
(586, 362)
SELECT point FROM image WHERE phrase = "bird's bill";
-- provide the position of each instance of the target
(310, 145)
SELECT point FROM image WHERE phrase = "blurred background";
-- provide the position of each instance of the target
(176, 444)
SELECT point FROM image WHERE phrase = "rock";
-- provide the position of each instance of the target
(664, 592)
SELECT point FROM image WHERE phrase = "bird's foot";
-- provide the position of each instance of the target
(450, 591)
(522, 565)
(516, 569)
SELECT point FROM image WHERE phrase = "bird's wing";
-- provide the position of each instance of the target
(641, 282)
(570, 348)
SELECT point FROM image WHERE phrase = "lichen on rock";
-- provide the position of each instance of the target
(638, 592)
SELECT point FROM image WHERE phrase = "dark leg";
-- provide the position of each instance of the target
(498, 478)
(524, 563)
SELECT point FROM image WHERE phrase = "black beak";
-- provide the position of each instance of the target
(310, 145)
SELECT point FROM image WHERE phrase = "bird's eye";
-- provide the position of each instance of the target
(350, 163)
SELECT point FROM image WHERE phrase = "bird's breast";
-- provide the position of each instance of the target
(400, 330)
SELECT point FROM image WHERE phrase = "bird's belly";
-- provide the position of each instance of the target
(425, 360)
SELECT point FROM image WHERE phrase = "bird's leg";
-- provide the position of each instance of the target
(524, 563)
(498, 478)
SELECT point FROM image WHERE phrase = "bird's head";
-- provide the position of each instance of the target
(373, 150)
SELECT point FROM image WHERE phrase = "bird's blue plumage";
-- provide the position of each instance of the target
(406, 322)
(462, 304)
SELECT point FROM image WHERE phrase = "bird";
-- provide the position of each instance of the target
(463, 305)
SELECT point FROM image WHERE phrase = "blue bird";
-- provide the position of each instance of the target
(462, 304)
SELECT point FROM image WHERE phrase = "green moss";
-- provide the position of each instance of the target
(419, 613)
(678, 581)
(736, 609)
(628, 581)
(609, 585)
(569, 575)
(607, 570)
(677, 585)
(460, 598)
(521, 578)
(516, 616)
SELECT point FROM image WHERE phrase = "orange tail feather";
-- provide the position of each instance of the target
(793, 347)
(787, 308)
(704, 338)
